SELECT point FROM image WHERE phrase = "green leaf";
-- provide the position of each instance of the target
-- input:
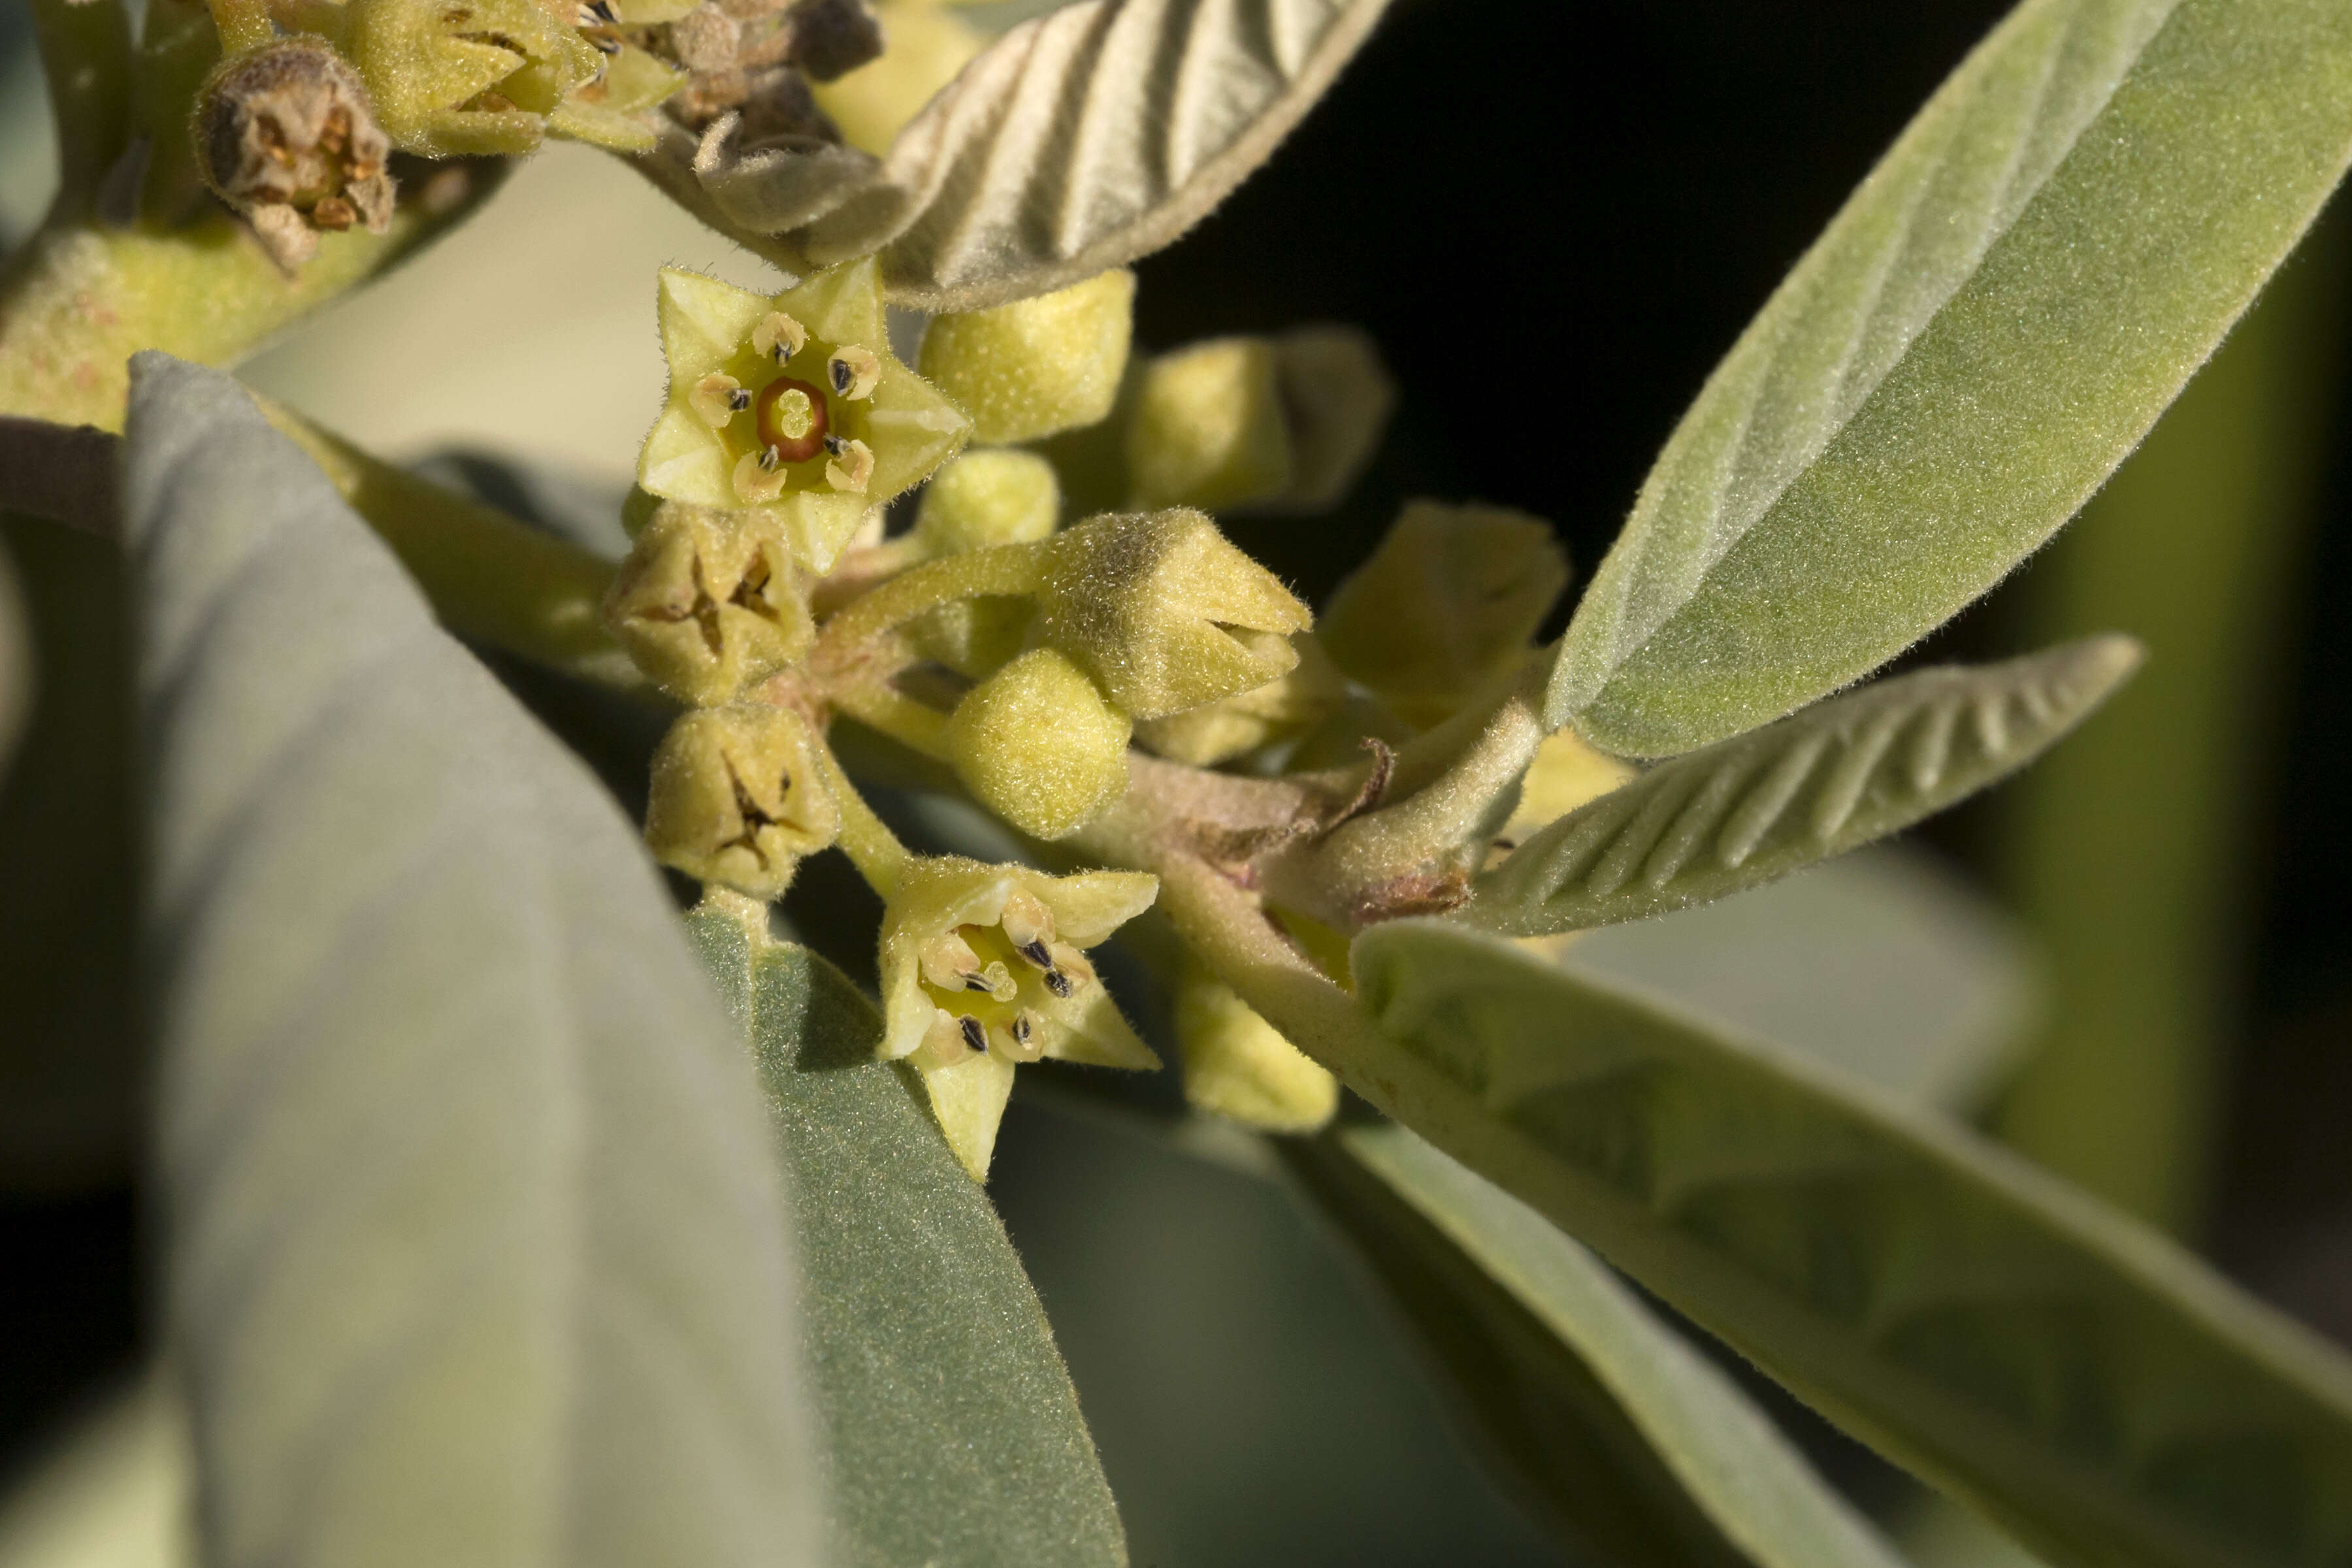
(1881, 963)
(1829, 779)
(1995, 319)
(2002, 1334)
(1639, 1448)
(474, 1247)
(949, 1429)
(1097, 133)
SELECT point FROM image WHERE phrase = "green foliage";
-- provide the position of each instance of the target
(911, 1288)
(1829, 779)
(474, 1252)
(1997, 317)
(1639, 1448)
(1986, 1326)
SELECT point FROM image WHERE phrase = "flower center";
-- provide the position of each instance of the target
(789, 417)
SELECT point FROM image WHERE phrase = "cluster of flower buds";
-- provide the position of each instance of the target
(984, 969)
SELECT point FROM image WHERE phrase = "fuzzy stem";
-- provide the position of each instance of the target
(77, 301)
(868, 842)
(86, 56)
(1003, 569)
(885, 708)
(489, 577)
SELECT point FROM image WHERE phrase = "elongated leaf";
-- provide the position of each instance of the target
(949, 1429)
(1638, 1446)
(1884, 963)
(1092, 135)
(1998, 315)
(1820, 782)
(2001, 1333)
(475, 1249)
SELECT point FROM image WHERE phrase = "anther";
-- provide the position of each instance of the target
(973, 1035)
(1035, 952)
(1059, 983)
(779, 337)
(852, 469)
(835, 445)
(770, 458)
(758, 477)
(716, 398)
(1025, 1045)
(854, 370)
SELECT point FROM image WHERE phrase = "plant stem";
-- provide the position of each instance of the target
(1003, 569)
(489, 577)
(883, 707)
(77, 301)
(85, 58)
(868, 842)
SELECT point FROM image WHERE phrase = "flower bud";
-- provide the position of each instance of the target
(1036, 744)
(1448, 600)
(827, 423)
(995, 496)
(1336, 398)
(707, 604)
(1206, 428)
(736, 799)
(1036, 366)
(983, 970)
(1237, 1066)
(1218, 731)
(286, 134)
(1165, 613)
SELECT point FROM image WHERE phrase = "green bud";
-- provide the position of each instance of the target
(1036, 366)
(991, 497)
(1238, 1066)
(737, 800)
(792, 407)
(983, 970)
(707, 603)
(1207, 429)
(459, 76)
(1165, 613)
(1036, 744)
(1448, 602)
(1218, 731)
(1335, 397)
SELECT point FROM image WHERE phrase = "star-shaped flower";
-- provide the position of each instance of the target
(793, 405)
(983, 970)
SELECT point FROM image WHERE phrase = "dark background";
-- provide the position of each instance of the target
(1554, 219)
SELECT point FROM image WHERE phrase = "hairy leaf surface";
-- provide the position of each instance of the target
(1817, 783)
(949, 1424)
(475, 1246)
(2002, 1334)
(1995, 319)
(1636, 1446)
(1097, 132)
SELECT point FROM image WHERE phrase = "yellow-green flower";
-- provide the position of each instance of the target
(791, 405)
(460, 76)
(983, 969)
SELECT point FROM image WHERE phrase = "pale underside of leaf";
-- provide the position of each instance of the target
(1097, 133)
(1575, 1366)
(948, 1424)
(474, 1246)
(1997, 316)
(1822, 782)
(2006, 1337)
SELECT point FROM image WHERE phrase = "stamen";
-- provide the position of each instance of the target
(854, 370)
(770, 458)
(835, 445)
(758, 477)
(1035, 952)
(1059, 983)
(942, 1044)
(973, 1035)
(717, 398)
(949, 963)
(851, 472)
(1026, 1045)
(779, 337)
(1025, 922)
